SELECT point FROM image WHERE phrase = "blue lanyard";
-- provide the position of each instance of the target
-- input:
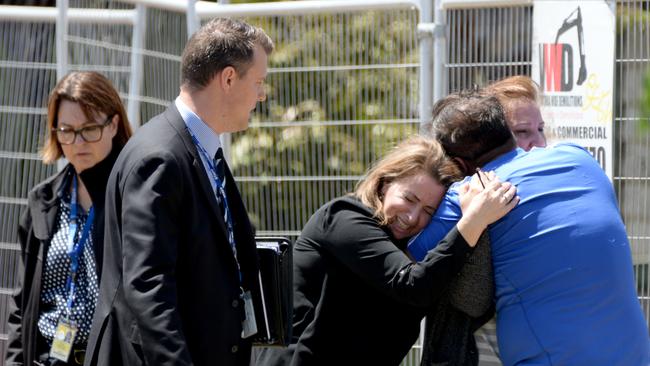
(75, 247)
(224, 200)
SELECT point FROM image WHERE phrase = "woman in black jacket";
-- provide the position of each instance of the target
(358, 297)
(62, 229)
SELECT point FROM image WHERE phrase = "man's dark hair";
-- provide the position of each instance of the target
(471, 126)
(220, 43)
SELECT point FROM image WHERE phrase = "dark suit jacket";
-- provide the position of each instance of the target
(169, 293)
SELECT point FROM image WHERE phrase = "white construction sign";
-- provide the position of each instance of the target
(573, 62)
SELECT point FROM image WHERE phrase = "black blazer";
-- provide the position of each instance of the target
(36, 229)
(169, 293)
(358, 299)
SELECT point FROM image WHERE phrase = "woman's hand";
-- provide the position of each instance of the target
(483, 206)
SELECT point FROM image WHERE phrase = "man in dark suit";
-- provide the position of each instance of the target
(180, 257)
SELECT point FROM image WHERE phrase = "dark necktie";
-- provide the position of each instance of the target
(220, 167)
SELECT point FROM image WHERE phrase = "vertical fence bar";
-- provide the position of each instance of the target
(439, 52)
(426, 65)
(61, 49)
(135, 80)
(61, 38)
(193, 22)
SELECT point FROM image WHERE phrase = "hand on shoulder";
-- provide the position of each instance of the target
(484, 200)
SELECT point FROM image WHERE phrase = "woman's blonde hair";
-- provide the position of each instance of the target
(514, 89)
(95, 94)
(413, 156)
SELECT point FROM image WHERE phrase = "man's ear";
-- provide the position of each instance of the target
(465, 166)
(227, 77)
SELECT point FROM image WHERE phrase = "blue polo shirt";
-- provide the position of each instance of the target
(565, 289)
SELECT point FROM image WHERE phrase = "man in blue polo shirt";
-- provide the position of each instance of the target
(565, 291)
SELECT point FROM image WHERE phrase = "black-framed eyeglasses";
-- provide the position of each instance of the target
(89, 133)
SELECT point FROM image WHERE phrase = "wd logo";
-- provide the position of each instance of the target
(556, 63)
(556, 66)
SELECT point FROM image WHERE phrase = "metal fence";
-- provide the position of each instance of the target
(345, 82)
(632, 135)
(27, 72)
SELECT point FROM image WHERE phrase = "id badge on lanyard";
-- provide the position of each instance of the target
(66, 329)
(249, 324)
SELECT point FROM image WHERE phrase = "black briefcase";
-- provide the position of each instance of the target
(274, 302)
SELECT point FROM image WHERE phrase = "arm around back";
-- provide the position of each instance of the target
(350, 233)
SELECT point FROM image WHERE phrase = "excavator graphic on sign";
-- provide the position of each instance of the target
(575, 20)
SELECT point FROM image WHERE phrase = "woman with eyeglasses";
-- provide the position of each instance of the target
(61, 231)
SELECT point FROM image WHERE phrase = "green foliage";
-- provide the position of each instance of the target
(631, 16)
(645, 104)
(632, 20)
(319, 117)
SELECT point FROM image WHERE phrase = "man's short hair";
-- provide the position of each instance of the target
(220, 43)
(470, 125)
